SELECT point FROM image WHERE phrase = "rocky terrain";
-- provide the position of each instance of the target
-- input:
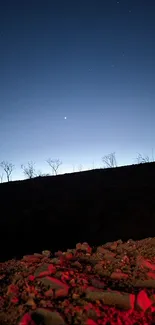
(105, 282)
(110, 284)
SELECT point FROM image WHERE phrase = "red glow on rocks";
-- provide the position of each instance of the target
(151, 275)
(132, 301)
(31, 277)
(87, 288)
(27, 320)
(143, 301)
(14, 300)
(90, 322)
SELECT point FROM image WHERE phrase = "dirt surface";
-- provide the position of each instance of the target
(109, 284)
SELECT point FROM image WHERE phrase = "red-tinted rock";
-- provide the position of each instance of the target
(151, 275)
(150, 283)
(90, 322)
(31, 278)
(60, 288)
(114, 298)
(49, 317)
(143, 301)
(46, 317)
(45, 270)
(31, 259)
(119, 275)
(26, 320)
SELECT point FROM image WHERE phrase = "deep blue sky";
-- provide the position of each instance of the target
(91, 61)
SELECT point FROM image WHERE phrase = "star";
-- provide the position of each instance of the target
(65, 118)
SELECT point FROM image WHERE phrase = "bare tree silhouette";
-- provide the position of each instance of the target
(8, 168)
(142, 159)
(54, 164)
(109, 161)
(29, 170)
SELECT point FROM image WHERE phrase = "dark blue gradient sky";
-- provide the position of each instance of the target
(91, 61)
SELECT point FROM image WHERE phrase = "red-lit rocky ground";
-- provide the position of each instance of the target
(109, 284)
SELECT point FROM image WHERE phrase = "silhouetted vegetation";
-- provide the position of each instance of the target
(8, 168)
(141, 159)
(109, 160)
(54, 164)
(29, 170)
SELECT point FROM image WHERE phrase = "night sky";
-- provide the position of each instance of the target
(77, 82)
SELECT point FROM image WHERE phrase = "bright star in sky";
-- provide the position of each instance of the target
(95, 79)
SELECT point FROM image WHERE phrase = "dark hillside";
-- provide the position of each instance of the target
(97, 206)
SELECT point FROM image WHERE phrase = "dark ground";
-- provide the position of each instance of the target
(97, 206)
